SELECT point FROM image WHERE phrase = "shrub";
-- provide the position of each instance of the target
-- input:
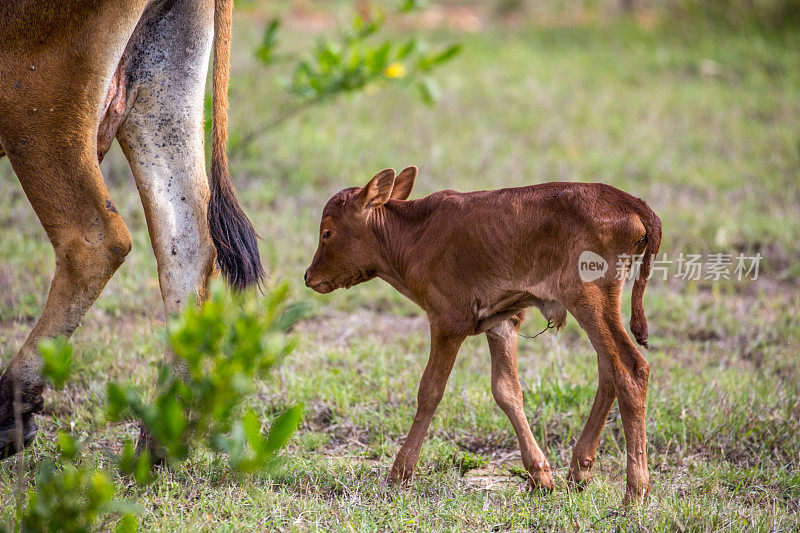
(220, 348)
(68, 496)
(75, 498)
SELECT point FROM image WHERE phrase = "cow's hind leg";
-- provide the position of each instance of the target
(90, 239)
(508, 395)
(162, 137)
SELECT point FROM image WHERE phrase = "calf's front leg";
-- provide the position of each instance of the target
(444, 349)
(508, 395)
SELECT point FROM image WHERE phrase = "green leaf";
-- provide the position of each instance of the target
(283, 428)
(447, 54)
(407, 49)
(411, 5)
(56, 360)
(100, 487)
(291, 314)
(380, 57)
(429, 90)
(252, 429)
(136, 465)
(127, 524)
(120, 402)
(266, 51)
(68, 445)
(427, 62)
(173, 420)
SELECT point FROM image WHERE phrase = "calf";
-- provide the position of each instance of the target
(474, 261)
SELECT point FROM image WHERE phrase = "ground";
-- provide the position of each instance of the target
(704, 126)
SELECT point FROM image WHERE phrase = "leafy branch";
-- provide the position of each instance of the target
(350, 62)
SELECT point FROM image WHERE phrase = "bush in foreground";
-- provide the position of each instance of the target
(220, 348)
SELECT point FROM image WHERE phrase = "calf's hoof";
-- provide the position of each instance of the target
(399, 474)
(580, 474)
(14, 438)
(540, 478)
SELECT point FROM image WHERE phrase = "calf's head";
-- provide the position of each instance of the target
(348, 252)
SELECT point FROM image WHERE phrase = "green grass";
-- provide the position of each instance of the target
(705, 127)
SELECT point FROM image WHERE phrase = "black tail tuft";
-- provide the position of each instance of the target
(233, 234)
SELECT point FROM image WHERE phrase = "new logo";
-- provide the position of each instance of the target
(591, 266)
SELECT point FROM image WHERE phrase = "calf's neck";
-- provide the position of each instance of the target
(474, 261)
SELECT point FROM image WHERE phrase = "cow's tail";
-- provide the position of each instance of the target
(652, 241)
(232, 232)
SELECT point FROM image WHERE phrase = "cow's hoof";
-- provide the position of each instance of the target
(148, 445)
(18, 404)
(12, 440)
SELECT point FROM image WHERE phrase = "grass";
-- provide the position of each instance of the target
(705, 127)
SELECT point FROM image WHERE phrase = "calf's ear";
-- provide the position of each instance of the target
(378, 190)
(403, 183)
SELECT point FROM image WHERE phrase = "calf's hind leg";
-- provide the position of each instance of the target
(630, 372)
(585, 451)
(508, 395)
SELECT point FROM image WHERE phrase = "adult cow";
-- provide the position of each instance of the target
(73, 75)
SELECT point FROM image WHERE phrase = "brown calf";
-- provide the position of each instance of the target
(474, 262)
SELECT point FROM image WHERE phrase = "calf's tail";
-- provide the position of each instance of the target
(652, 239)
(232, 232)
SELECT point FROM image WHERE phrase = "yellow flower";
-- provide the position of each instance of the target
(395, 70)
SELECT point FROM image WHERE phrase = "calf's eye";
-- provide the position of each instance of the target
(326, 234)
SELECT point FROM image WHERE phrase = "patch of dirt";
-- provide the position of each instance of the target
(345, 437)
(318, 417)
(497, 443)
(703, 334)
(491, 478)
(502, 472)
(338, 328)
